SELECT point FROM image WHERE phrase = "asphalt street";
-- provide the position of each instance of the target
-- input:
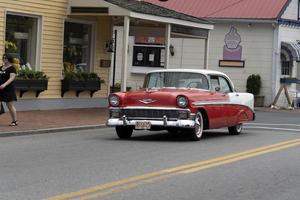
(95, 164)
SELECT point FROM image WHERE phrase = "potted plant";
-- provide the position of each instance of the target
(31, 80)
(253, 86)
(117, 88)
(81, 81)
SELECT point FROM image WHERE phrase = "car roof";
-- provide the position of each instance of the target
(201, 71)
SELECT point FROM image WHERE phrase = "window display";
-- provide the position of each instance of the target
(77, 46)
(21, 39)
(148, 56)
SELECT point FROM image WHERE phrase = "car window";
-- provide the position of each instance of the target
(224, 85)
(219, 83)
(176, 80)
(214, 80)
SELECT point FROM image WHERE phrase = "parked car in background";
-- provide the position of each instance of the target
(184, 100)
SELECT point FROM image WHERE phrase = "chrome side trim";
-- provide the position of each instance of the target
(200, 103)
(203, 103)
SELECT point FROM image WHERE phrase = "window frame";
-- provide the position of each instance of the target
(38, 48)
(286, 66)
(92, 49)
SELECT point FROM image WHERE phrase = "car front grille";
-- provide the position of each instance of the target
(149, 113)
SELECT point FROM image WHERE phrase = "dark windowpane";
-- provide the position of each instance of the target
(286, 67)
(147, 56)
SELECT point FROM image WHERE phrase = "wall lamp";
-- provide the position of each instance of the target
(109, 46)
(172, 51)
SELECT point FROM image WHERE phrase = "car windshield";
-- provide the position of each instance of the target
(176, 80)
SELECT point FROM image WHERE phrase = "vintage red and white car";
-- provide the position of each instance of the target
(181, 100)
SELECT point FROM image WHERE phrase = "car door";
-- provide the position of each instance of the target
(230, 108)
(237, 102)
(215, 109)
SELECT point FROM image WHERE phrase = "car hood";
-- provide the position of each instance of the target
(164, 97)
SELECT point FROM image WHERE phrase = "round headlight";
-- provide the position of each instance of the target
(114, 100)
(182, 101)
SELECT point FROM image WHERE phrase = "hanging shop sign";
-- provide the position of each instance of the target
(149, 40)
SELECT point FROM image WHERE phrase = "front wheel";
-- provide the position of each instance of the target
(235, 130)
(124, 132)
(195, 134)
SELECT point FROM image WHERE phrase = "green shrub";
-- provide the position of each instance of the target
(253, 84)
(27, 74)
(82, 76)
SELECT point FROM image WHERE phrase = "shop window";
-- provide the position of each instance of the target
(21, 38)
(77, 46)
(148, 56)
(286, 68)
(298, 9)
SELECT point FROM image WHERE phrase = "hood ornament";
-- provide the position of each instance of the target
(147, 101)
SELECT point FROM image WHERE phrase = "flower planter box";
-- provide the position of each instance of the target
(80, 86)
(31, 85)
(259, 101)
(93, 85)
(118, 89)
(21, 84)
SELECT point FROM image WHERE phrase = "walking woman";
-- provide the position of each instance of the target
(7, 89)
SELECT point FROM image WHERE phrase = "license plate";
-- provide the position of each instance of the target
(142, 125)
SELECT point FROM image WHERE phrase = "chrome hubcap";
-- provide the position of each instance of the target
(239, 128)
(198, 126)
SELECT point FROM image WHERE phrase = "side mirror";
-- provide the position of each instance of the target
(217, 88)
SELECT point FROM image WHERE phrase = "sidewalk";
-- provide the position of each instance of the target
(46, 121)
(53, 120)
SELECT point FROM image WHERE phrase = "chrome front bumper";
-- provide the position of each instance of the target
(180, 123)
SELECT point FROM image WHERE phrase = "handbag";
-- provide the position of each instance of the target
(2, 111)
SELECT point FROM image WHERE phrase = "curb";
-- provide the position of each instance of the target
(50, 130)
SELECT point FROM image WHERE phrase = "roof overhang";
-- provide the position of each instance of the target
(114, 10)
(291, 50)
(171, 21)
(226, 20)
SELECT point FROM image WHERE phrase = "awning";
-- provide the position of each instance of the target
(291, 51)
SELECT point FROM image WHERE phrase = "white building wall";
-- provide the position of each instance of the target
(257, 44)
(189, 53)
(288, 34)
(291, 11)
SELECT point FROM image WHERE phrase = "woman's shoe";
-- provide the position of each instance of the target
(14, 123)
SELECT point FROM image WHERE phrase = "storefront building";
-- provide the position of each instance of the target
(250, 37)
(57, 36)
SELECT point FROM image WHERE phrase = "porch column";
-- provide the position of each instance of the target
(125, 53)
(167, 43)
(206, 51)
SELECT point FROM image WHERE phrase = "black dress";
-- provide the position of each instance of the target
(8, 94)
